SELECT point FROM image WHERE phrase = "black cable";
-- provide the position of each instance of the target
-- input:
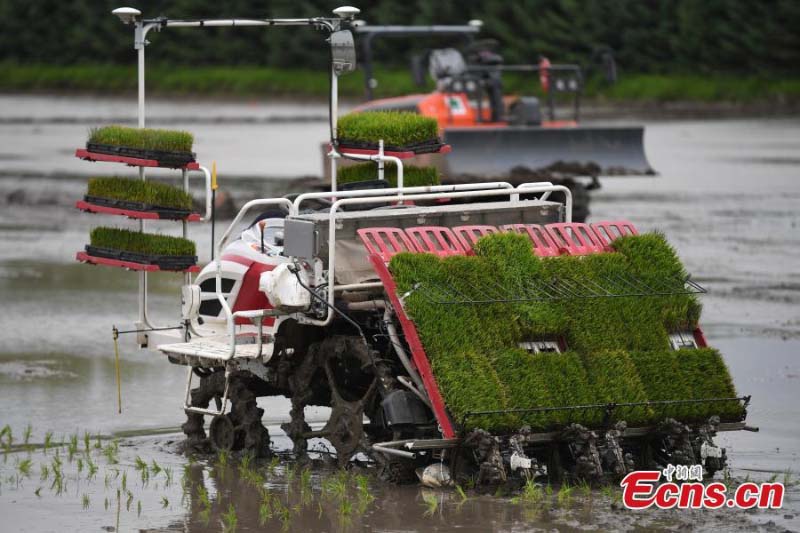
(294, 269)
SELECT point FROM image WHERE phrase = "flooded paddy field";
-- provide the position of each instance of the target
(727, 198)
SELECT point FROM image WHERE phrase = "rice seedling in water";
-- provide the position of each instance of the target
(124, 482)
(91, 470)
(85, 501)
(532, 493)
(24, 467)
(110, 452)
(336, 485)
(431, 503)
(105, 504)
(138, 508)
(80, 465)
(27, 435)
(164, 502)
(128, 500)
(167, 477)
(585, 489)
(273, 464)
(7, 434)
(345, 510)
(44, 472)
(144, 471)
(86, 442)
(38, 491)
(564, 497)
(222, 458)
(264, 509)
(97, 444)
(229, 519)
(48, 441)
(156, 468)
(72, 447)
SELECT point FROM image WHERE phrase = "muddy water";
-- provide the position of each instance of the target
(727, 198)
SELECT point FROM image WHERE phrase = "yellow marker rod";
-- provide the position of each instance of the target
(214, 176)
(116, 368)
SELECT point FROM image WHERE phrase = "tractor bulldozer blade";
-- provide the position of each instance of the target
(503, 152)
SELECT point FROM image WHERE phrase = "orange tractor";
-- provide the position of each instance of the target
(501, 136)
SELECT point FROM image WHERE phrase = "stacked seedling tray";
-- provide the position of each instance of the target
(139, 199)
(393, 134)
(404, 135)
(140, 147)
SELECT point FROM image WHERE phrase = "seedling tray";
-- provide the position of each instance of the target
(163, 262)
(138, 210)
(165, 159)
(432, 146)
(88, 155)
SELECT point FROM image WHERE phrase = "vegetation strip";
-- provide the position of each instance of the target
(618, 349)
(247, 80)
(149, 193)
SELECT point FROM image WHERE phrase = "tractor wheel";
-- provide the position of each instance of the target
(239, 429)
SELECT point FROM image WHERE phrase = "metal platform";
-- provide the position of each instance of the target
(212, 351)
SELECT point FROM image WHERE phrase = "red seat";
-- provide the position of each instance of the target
(576, 238)
(386, 242)
(469, 235)
(436, 240)
(543, 244)
(613, 229)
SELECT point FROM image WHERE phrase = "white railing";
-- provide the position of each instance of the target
(369, 196)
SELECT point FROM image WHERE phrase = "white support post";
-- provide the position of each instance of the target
(334, 125)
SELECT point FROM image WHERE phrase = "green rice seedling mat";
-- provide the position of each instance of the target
(169, 253)
(617, 348)
(413, 176)
(137, 195)
(400, 131)
(170, 148)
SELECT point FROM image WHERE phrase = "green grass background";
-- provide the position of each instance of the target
(251, 81)
(618, 348)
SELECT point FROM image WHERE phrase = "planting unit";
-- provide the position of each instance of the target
(475, 326)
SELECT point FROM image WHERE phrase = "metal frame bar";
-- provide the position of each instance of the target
(141, 28)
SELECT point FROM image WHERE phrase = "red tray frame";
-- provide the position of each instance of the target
(417, 351)
(83, 257)
(86, 155)
(89, 207)
(445, 149)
